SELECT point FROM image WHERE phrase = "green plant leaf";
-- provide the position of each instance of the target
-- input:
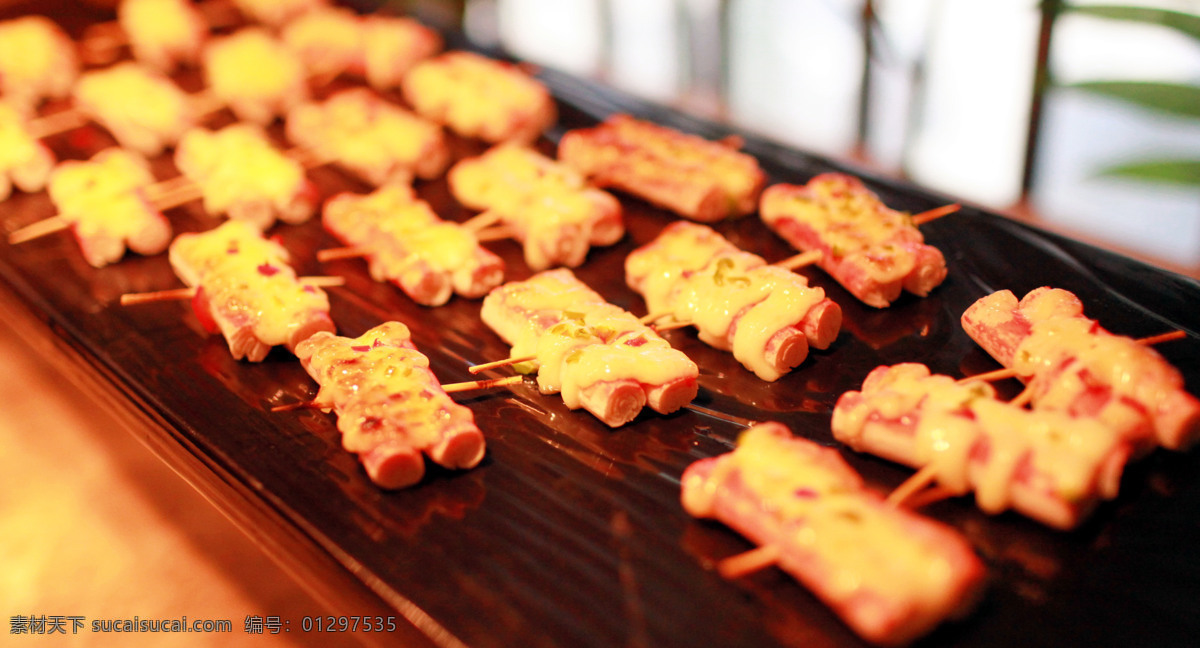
(1184, 23)
(1173, 98)
(1176, 172)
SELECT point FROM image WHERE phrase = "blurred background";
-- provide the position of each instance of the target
(1081, 118)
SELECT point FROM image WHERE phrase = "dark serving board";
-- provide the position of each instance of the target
(571, 533)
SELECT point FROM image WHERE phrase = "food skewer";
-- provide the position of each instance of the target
(696, 178)
(1009, 372)
(545, 205)
(391, 410)
(407, 244)
(1049, 466)
(243, 287)
(180, 294)
(598, 356)
(874, 251)
(810, 513)
(767, 316)
(1073, 364)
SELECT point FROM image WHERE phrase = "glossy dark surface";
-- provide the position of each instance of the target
(570, 533)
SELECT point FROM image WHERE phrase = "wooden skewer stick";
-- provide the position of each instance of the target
(179, 294)
(928, 496)
(177, 196)
(747, 563)
(481, 384)
(1162, 337)
(172, 294)
(800, 260)
(39, 229)
(495, 234)
(59, 122)
(291, 407)
(1022, 399)
(332, 254)
(483, 221)
(919, 480)
(935, 213)
(474, 369)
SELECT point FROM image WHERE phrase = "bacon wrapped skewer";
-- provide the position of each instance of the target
(275, 13)
(255, 74)
(597, 355)
(479, 97)
(156, 120)
(689, 175)
(1047, 465)
(406, 243)
(245, 289)
(103, 202)
(375, 140)
(875, 252)
(391, 409)
(327, 39)
(239, 173)
(163, 34)
(1072, 364)
(392, 46)
(766, 315)
(889, 574)
(548, 206)
(37, 61)
(24, 161)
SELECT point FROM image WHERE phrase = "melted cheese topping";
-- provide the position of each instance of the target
(159, 115)
(1091, 356)
(853, 224)
(391, 46)
(277, 12)
(381, 387)
(542, 200)
(819, 504)
(162, 30)
(974, 441)
(246, 280)
(36, 60)
(398, 228)
(327, 39)
(17, 148)
(651, 150)
(580, 340)
(237, 165)
(107, 187)
(476, 96)
(252, 65)
(364, 133)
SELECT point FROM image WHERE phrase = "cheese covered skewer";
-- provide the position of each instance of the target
(254, 74)
(375, 140)
(406, 243)
(391, 410)
(1047, 465)
(246, 290)
(689, 175)
(239, 172)
(154, 121)
(766, 315)
(600, 357)
(889, 574)
(25, 162)
(549, 207)
(163, 34)
(37, 61)
(874, 251)
(479, 97)
(1072, 364)
(103, 202)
